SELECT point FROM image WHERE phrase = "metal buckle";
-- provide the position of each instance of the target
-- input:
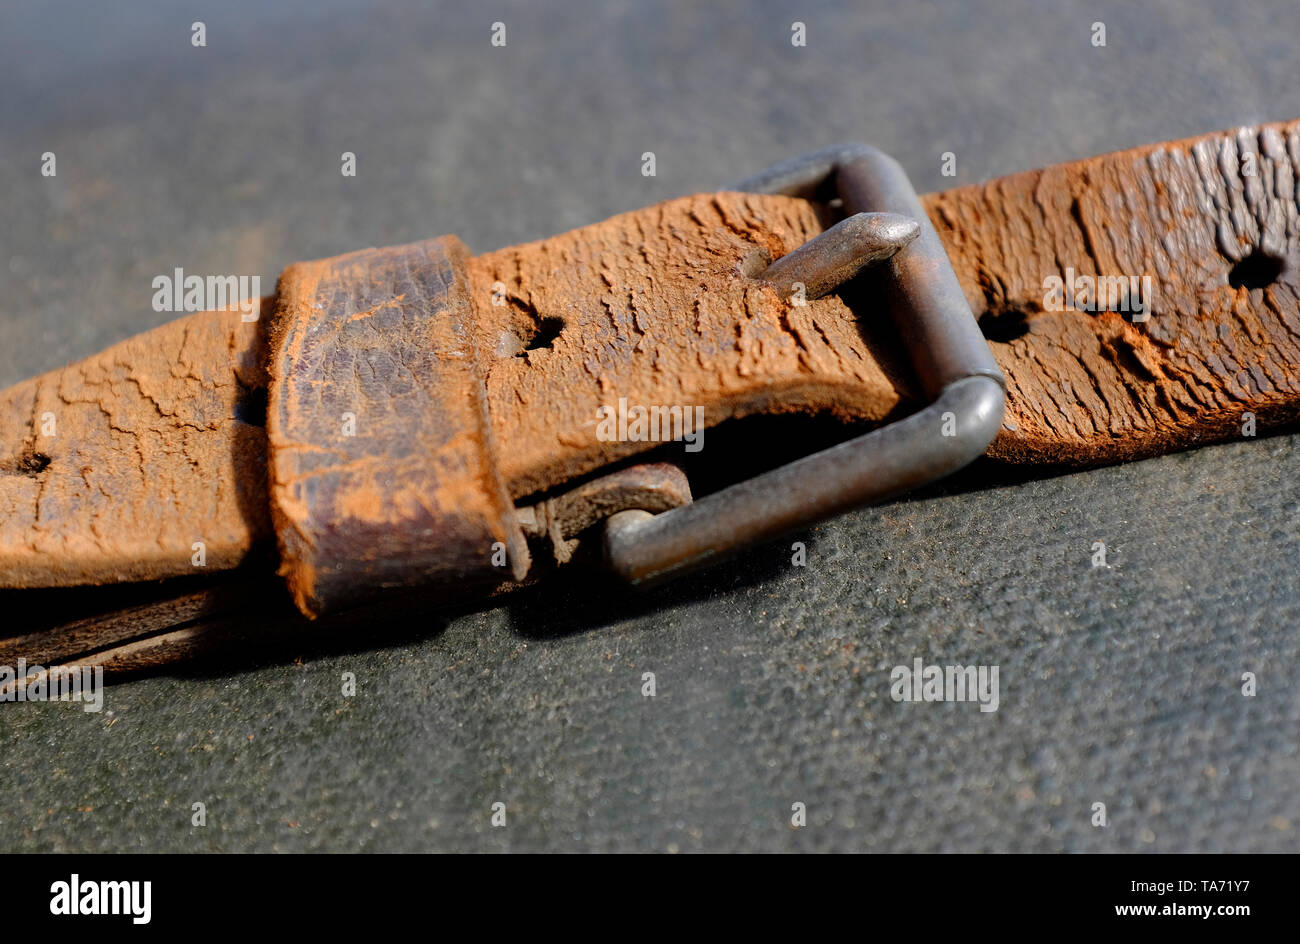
(948, 352)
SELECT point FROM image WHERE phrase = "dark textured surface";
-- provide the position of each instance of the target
(1119, 685)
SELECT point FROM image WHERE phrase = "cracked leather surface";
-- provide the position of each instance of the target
(652, 306)
(1120, 684)
(129, 460)
(1212, 224)
(378, 344)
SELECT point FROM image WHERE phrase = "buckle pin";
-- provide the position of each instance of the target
(830, 259)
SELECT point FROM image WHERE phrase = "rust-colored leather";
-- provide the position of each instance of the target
(654, 306)
(658, 306)
(114, 468)
(1092, 388)
(1082, 388)
(383, 470)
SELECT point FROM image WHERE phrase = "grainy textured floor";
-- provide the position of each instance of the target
(1118, 685)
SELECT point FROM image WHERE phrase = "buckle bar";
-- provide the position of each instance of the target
(948, 353)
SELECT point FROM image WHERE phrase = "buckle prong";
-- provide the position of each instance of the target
(830, 259)
(947, 350)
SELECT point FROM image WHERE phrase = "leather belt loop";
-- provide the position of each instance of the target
(382, 468)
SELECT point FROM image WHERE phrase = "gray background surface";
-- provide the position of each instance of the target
(1119, 685)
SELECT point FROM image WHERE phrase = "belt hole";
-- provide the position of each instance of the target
(755, 263)
(548, 329)
(250, 408)
(1260, 269)
(1005, 326)
(29, 463)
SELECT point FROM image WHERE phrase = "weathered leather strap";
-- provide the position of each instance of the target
(1202, 232)
(475, 383)
(147, 460)
(1214, 222)
(656, 307)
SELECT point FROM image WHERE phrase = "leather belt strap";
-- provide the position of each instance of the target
(417, 395)
(1213, 221)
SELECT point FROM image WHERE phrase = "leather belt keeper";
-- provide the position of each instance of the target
(383, 471)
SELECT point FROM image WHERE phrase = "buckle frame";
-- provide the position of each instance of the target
(948, 352)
